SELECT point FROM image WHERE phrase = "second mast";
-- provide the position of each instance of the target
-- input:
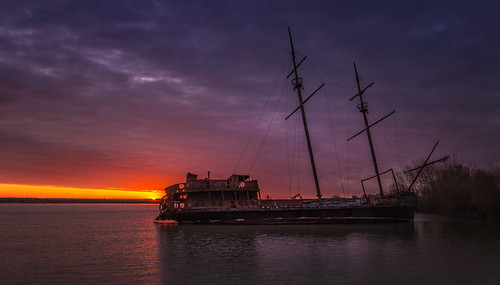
(297, 84)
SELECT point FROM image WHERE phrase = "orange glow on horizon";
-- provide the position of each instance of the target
(29, 191)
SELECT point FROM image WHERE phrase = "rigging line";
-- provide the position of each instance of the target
(291, 153)
(336, 84)
(307, 71)
(381, 130)
(415, 127)
(380, 95)
(267, 131)
(347, 136)
(216, 174)
(288, 150)
(330, 66)
(334, 142)
(296, 150)
(332, 132)
(299, 143)
(314, 72)
(262, 113)
(398, 146)
(291, 166)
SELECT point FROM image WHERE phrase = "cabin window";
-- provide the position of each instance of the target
(180, 196)
(179, 205)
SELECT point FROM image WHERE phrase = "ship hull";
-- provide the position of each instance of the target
(263, 216)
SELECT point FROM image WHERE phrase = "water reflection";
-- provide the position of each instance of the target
(119, 244)
(205, 254)
(458, 251)
(432, 250)
(273, 254)
(78, 244)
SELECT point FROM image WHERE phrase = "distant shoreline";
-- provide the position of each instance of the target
(78, 201)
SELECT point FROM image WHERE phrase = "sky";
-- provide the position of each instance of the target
(132, 95)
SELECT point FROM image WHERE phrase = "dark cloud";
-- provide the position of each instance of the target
(113, 89)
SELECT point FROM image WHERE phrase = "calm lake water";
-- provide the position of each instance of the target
(120, 244)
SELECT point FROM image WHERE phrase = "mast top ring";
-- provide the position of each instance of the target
(297, 82)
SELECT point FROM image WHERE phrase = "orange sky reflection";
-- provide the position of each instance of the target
(29, 191)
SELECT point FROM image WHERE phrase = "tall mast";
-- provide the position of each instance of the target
(363, 108)
(297, 85)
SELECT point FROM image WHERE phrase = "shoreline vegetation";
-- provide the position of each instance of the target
(78, 201)
(453, 189)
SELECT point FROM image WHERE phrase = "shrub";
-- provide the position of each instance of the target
(454, 189)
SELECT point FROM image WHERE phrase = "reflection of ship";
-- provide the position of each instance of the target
(237, 200)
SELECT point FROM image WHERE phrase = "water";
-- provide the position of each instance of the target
(119, 244)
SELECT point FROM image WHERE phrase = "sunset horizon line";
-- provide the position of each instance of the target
(64, 192)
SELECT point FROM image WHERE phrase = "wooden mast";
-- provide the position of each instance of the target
(363, 108)
(297, 85)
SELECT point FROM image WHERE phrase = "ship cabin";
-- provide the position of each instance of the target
(237, 191)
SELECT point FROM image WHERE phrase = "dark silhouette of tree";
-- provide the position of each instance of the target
(454, 189)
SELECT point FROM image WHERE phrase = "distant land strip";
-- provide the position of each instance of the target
(78, 201)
